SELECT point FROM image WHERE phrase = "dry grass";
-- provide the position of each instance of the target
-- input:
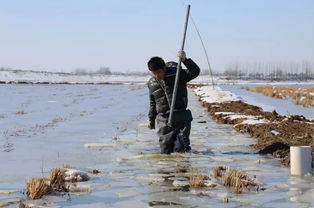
(226, 200)
(197, 180)
(36, 188)
(57, 180)
(235, 179)
(94, 171)
(58, 119)
(21, 112)
(300, 96)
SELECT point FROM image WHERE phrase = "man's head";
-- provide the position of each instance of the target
(158, 67)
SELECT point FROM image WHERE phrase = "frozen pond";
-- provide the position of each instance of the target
(48, 126)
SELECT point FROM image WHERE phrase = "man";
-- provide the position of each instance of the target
(174, 138)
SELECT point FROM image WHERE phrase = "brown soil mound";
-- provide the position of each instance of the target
(275, 136)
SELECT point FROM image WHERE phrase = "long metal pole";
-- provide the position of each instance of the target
(174, 95)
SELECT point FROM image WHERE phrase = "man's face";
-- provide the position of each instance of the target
(159, 74)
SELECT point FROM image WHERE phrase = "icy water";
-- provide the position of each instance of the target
(46, 126)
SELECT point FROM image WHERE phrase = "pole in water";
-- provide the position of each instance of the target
(174, 95)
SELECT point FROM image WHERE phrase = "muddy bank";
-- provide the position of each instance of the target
(274, 133)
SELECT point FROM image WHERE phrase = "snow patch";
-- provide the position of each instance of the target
(254, 121)
(274, 132)
(211, 94)
(76, 175)
(239, 116)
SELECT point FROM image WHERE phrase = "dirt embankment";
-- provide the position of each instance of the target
(274, 133)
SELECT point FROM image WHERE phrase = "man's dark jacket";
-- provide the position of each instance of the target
(158, 100)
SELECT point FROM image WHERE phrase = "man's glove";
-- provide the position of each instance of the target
(151, 124)
(181, 55)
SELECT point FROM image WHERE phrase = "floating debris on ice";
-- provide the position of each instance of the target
(131, 140)
(209, 184)
(98, 146)
(148, 179)
(75, 175)
(7, 192)
(95, 171)
(181, 182)
(80, 187)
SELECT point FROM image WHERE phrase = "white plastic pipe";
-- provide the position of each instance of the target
(300, 160)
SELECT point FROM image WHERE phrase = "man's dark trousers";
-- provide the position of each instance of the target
(173, 139)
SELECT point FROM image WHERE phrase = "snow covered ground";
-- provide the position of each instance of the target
(227, 93)
(53, 77)
(40, 77)
(210, 94)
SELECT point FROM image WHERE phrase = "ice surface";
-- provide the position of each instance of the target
(51, 135)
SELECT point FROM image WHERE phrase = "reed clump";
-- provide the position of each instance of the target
(197, 180)
(57, 179)
(36, 188)
(235, 179)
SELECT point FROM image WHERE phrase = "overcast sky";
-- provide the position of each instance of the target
(62, 35)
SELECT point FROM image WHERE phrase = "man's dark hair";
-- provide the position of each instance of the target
(156, 63)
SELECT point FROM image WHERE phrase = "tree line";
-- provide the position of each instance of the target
(274, 71)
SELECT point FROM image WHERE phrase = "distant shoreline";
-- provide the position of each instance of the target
(197, 82)
(71, 83)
